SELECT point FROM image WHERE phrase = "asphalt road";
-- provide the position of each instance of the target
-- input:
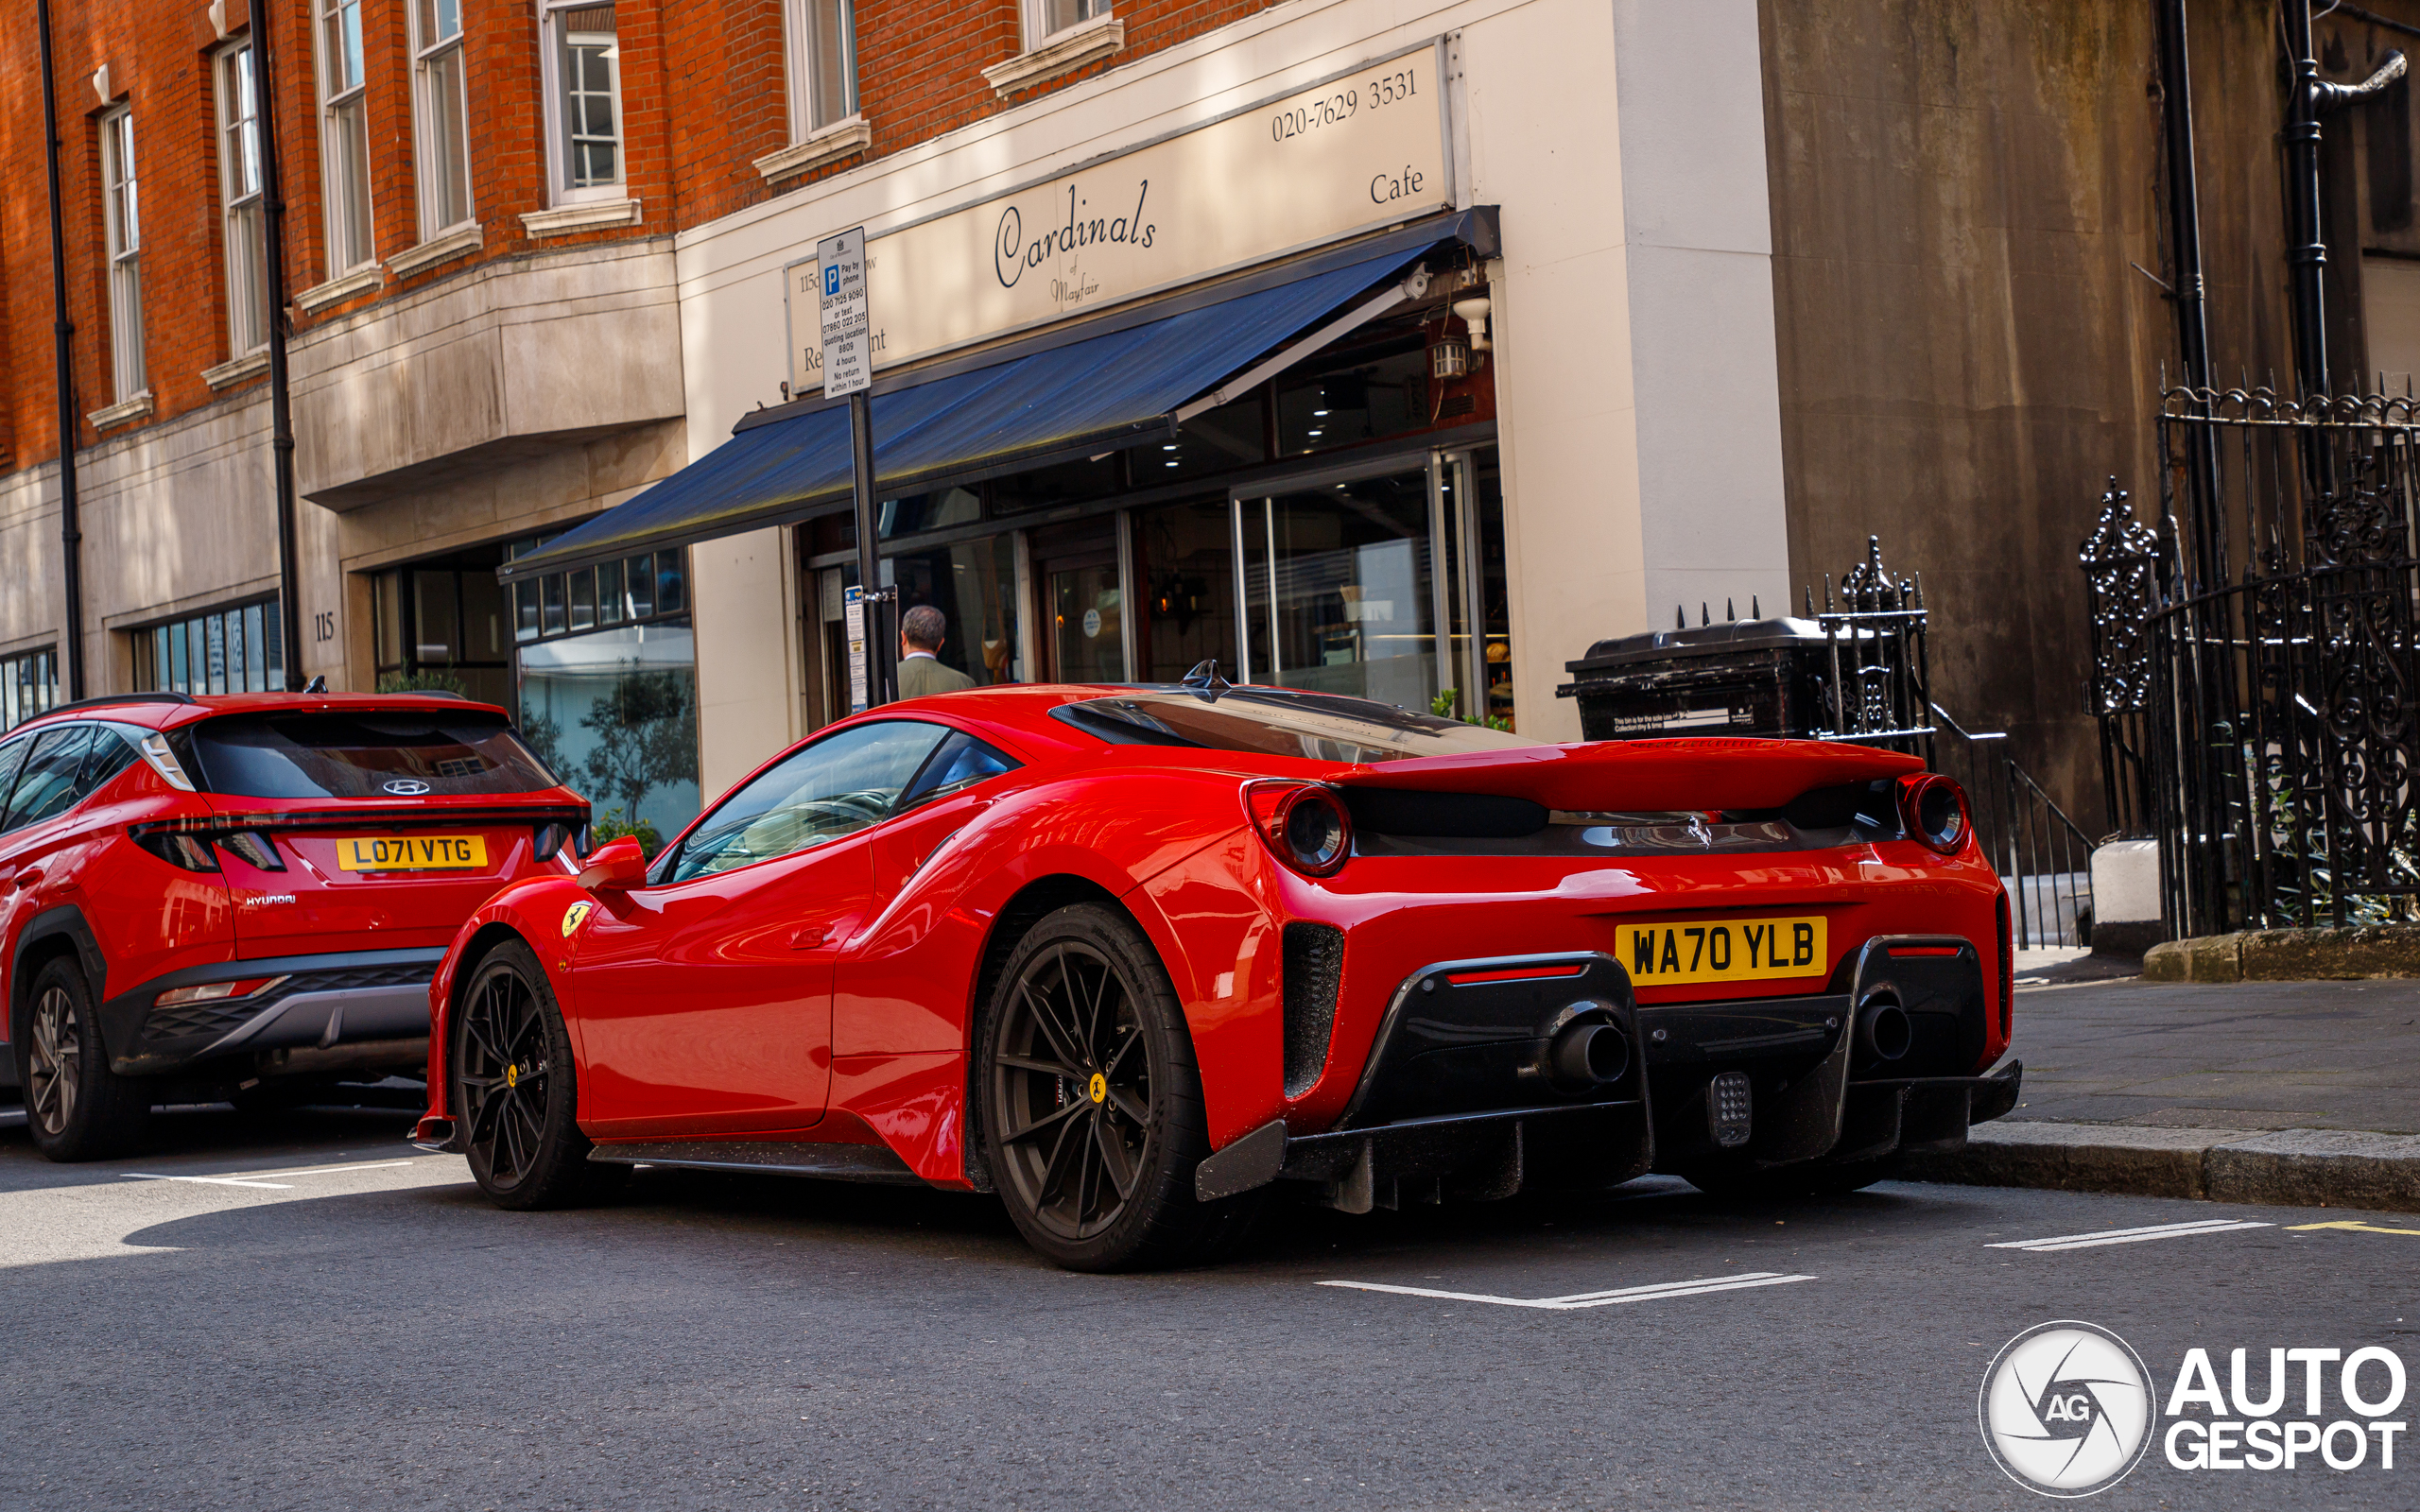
(354, 1328)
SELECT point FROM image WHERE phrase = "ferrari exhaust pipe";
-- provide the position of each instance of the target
(1587, 1054)
(1883, 1032)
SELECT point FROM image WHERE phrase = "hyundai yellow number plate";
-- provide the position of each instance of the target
(412, 852)
(1727, 950)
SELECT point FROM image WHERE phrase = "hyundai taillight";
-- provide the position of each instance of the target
(254, 846)
(1935, 811)
(190, 851)
(1305, 823)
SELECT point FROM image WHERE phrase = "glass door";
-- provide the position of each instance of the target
(1342, 588)
(1083, 614)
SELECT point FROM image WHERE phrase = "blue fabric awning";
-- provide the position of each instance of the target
(1072, 397)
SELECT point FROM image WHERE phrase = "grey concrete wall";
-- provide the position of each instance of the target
(1959, 194)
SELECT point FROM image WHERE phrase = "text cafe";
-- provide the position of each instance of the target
(1227, 393)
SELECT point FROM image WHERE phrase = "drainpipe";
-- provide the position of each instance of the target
(281, 409)
(2187, 293)
(2307, 248)
(2183, 210)
(71, 534)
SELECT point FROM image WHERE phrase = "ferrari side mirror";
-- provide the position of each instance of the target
(617, 865)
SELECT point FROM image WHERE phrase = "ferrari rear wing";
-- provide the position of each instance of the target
(1634, 776)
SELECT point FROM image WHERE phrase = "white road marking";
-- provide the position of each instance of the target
(1657, 1293)
(2127, 1236)
(251, 1178)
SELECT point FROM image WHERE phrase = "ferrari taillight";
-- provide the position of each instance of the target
(1935, 811)
(1305, 823)
(2008, 971)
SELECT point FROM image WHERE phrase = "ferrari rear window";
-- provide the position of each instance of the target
(373, 754)
(1274, 722)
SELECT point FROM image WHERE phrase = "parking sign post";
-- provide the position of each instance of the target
(848, 369)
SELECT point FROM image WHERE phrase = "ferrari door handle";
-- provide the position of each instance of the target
(808, 936)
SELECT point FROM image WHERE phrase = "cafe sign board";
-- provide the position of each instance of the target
(1362, 149)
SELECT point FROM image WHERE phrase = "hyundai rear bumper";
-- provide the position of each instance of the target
(341, 1011)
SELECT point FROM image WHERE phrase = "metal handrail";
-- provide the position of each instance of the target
(2043, 857)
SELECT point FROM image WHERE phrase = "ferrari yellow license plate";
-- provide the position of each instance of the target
(412, 852)
(1726, 950)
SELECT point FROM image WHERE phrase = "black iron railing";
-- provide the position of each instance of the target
(2044, 858)
(2258, 662)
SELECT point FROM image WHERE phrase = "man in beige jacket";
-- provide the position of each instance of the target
(920, 669)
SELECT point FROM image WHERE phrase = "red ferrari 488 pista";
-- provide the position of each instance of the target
(1133, 957)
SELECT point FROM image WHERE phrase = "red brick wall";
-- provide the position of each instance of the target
(703, 95)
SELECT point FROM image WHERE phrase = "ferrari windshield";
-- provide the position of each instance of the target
(1275, 722)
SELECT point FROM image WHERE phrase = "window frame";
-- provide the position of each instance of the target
(338, 99)
(72, 729)
(164, 647)
(122, 251)
(552, 43)
(29, 686)
(1036, 16)
(803, 42)
(242, 212)
(427, 158)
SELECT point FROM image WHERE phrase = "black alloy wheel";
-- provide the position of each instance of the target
(515, 1088)
(76, 1108)
(1093, 1101)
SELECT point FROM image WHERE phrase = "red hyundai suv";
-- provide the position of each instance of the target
(205, 897)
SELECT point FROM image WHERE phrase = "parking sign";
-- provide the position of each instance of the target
(848, 359)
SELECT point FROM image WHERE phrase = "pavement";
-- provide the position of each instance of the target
(2298, 1091)
(302, 1311)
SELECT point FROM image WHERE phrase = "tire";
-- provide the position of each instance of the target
(76, 1108)
(1091, 1101)
(1812, 1179)
(513, 1086)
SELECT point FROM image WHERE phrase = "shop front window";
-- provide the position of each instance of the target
(974, 584)
(1482, 486)
(1185, 557)
(607, 666)
(1350, 599)
(615, 714)
(443, 627)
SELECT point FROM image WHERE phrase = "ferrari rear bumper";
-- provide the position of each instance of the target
(1471, 1090)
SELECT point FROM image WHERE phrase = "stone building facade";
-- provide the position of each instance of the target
(1762, 277)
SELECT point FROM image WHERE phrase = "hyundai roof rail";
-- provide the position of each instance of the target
(104, 700)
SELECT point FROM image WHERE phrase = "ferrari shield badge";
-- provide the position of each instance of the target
(573, 915)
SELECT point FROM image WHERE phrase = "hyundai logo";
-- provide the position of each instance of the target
(407, 787)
